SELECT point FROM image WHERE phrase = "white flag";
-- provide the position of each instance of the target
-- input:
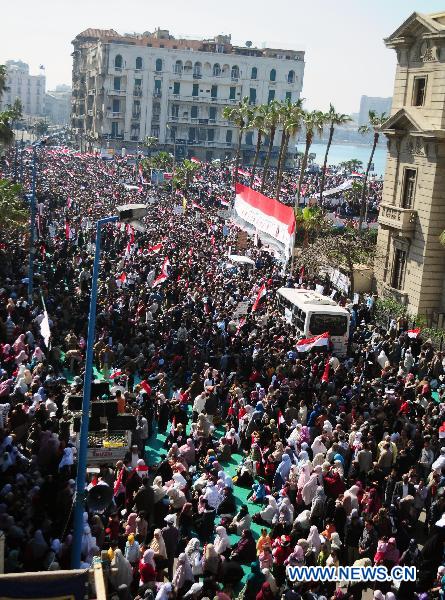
(44, 329)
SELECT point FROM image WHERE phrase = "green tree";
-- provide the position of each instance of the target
(313, 122)
(184, 175)
(13, 212)
(272, 120)
(258, 123)
(241, 116)
(375, 122)
(7, 118)
(311, 221)
(351, 165)
(291, 115)
(333, 119)
(162, 161)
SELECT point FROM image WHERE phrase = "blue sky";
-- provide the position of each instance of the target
(343, 39)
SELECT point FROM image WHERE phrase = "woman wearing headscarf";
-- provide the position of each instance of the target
(211, 561)
(147, 567)
(245, 550)
(242, 520)
(132, 550)
(88, 541)
(122, 572)
(267, 515)
(318, 506)
(222, 542)
(188, 452)
(254, 581)
(165, 592)
(183, 577)
(282, 472)
(266, 592)
(130, 524)
(193, 552)
(314, 539)
(160, 553)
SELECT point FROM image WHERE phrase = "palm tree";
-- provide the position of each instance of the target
(375, 122)
(258, 123)
(291, 120)
(310, 219)
(184, 175)
(241, 116)
(272, 120)
(313, 122)
(333, 118)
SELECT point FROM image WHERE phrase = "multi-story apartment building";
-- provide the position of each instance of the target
(29, 89)
(411, 260)
(367, 103)
(126, 88)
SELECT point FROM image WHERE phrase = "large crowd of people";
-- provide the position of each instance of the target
(247, 456)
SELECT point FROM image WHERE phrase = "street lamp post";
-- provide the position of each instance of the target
(32, 226)
(131, 213)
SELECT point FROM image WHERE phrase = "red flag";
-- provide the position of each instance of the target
(118, 482)
(212, 240)
(159, 280)
(195, 160)
(67, 230)
(166, 266)
(156, 248)
(196, 205)
(280, 417)
(123, 277)
(146, 387)
(325, 376)
(241, 323)
(262, 292)
(413, 333)
(131, 235)
(319, 341)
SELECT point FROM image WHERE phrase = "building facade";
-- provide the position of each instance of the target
(367, 103)
(58, 105)
(29, 89)
(411, 261)
(127, 88)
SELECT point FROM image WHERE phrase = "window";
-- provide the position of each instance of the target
(252, 96)
(254, 73)
(197, 70)
(175, 110)
(334, 324)
(216, 70)
(176, 87)
(249, 138)
(114, 129)
(158, 65)
(235, 72)
(398, 268)
(136, 109)
(117, 83)
(271, 96)
(419, 90)
(138, 62)
(195, 90)
(118, 62)
(229, 135)
(192, 134)
(158, 85)
(116, 106)
(289, 96)
(178, 67)
(173, 134)
(409, 186)
(232, 93)
(194, 112)
(214, 91)
(291, 77)
(210, 135)
(212, 113)
(273, 75)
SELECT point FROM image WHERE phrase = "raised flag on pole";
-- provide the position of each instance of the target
(196, 205)
(243, 172)
(262, 292)
(280, 418)
(155, 249)
(325, 376)
(224, 202)
(44, 329)
(166, 265)
(442, 431)
(319, 341)
(413, 333)
(195, 160)
(162, 277)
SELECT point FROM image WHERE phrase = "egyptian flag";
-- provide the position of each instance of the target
(196, 205)
(325, 376)
(262, 292)
(146, 387)
(319, 341)
(166, 266)
(243, 172)
(280, 418)
(413, 333)
(128, 250)
(195, 160)
(118, 483)
(212, 240)
(131, 235)
(123, 277)
(116, 374)
(442, 431)
(141, 174)
(67, 230)
(159, 280)
(224, 202)
(241, 323)
(173, 425)
(155, 249)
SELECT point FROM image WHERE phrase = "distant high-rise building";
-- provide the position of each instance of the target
(367, 103)
(58, 105)
(29, 89)
(128, 87)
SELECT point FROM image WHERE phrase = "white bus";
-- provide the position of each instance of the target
(313, 314)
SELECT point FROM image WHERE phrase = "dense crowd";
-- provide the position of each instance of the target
(270, 457)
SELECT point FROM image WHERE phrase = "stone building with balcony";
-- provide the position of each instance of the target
(126, 88)
(410, 263)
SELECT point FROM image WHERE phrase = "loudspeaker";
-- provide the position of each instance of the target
(74, 403)
(99, 497)
(99, 388)
(122, 423)
(93, 425)
(97, 409)
(111, 409)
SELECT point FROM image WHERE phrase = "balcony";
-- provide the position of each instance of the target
(115, 115)
(137, 92)
(206, 99)
(136, 115)
(91, 91)
(395, 217)
(157, 94)
(113, 92)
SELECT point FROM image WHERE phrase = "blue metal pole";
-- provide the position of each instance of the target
(22, 146)
(32, 228)
(79, 505)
